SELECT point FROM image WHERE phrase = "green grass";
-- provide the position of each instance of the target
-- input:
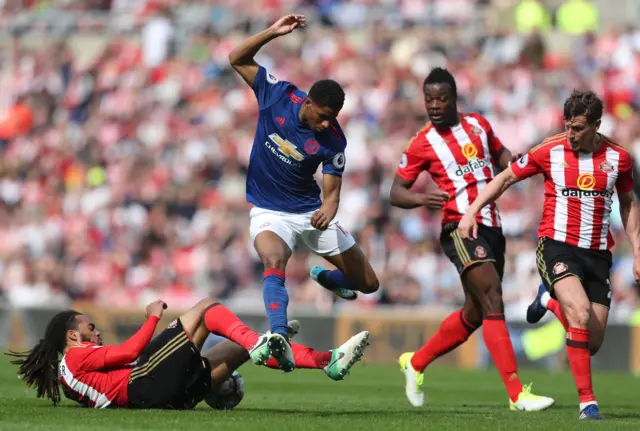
(371, 398)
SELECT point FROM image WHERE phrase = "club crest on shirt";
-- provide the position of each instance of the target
(606, 167)
(559, 268)
(476, 131)
(312, 147)
(480, 252)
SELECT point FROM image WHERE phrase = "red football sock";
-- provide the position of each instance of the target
(496, 338)
(554, 306)
(454, 330)
(221, 321)
(580, 362)
(305, 357)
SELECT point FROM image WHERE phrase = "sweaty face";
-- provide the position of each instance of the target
(580, 134)
(87, 330)
(441, 105)
(318, 118)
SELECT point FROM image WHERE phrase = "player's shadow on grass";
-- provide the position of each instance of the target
(357, 412)
(622, 415)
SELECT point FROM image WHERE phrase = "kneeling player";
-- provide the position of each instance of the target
(166, 372)
(581, 168)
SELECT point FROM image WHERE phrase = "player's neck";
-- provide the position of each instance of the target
(448, 125)
(72, 344)
(301, 117)
(595, 145)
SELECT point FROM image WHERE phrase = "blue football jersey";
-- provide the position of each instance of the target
(286, 154)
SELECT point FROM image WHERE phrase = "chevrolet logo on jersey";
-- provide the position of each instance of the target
(285, 148)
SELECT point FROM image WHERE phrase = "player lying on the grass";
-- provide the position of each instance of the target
(296, 133)
(166, 372)
(581, 168)
(460, 152)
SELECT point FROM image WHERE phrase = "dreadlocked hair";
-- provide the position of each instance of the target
(39, 366)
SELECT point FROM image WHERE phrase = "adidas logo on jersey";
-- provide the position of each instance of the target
(472, 166)
(579, 193)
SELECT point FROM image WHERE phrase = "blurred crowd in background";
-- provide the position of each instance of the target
(125, 136)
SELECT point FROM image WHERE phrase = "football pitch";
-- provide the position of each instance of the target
(371, 398)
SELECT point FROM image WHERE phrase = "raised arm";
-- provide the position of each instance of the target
(241, 58)
(117, 356)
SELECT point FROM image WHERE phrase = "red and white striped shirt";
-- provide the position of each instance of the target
(98, 376)
(88, 380)
(578, 189)
(460, 160)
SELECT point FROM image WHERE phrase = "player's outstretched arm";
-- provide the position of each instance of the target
(331, 186)
(631, 222)
(401, 196)
(468, 227)
(241, 58)
(129, 351)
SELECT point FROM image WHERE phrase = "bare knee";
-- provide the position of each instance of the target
(472, 312)
(577, 314)
(492, 300)
(205, 303)
(371, 284)
(274, 261)
(595, 343)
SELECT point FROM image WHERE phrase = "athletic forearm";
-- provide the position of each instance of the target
(244, 53)
(404, 198)
(493, 191)
(131, 349)
(330, 208)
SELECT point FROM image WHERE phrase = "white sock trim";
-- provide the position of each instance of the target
(585, 405)
(544, 299)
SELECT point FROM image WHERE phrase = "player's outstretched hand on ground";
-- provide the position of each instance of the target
(468, 227)
(156, 308)
(435, 200)
(288, 23)
(319, 220)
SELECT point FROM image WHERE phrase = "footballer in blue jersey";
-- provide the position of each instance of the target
(297, 132)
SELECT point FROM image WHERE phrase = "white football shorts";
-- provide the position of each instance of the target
(296, 229)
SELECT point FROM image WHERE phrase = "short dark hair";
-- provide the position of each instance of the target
(585, 103)
(441, 76)
(327, 93)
